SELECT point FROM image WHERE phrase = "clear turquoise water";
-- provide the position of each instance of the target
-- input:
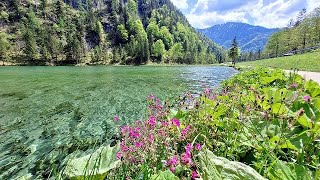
(47, 113)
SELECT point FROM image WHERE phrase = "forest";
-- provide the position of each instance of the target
(299, 35)
(56, 32)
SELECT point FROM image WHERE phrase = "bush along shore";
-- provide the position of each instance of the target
(261, 124)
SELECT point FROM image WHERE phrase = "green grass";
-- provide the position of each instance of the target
(304, 62)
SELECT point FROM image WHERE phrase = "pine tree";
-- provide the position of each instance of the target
(101, 33)
(30, 44)
(234, 51)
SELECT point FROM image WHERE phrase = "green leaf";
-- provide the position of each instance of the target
(95, 165)
(164, 175)
(305, 121)
(178, 114)
(312, 88)
(278, 108)
(216, 168)
(289, 145)
(285, 171)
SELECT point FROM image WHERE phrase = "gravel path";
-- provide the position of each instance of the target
(315, 76)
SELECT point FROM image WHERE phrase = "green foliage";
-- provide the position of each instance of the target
(4, 16)
(218, 168)
(261, 124)
(234, 51)
(175, 53)
(4, 46)
(166, 37)
(95, 165)
(30, 42)
(158, 49)
(297, 36)
(123, 33)
(100, 31)
(164, 175)
(263, 117)
(68, 32)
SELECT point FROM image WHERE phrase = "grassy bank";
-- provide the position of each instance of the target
(303, 62)
(261, 124)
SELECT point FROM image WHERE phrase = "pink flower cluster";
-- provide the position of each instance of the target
(158, 139)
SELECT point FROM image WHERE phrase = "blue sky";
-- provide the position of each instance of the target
(267, 13)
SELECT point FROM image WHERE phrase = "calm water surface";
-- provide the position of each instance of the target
(47, 113)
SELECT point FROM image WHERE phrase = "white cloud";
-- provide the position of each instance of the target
(181, 4)
(268, 13)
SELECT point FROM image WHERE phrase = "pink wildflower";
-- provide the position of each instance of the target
(151, 138)
(184, 132)
(195, 175)
(119, 155)
(172, 168)
(294, 85)
(189, 148)
(207, 91)
(175, 122)
(307, 98)
(151, 96)
(123, 147)
(198, 147)
(212, 97)
(134, 134)
(164, 123)
(138, 144)
(124, 130)
(152, 120)
(186, 158)
(173, 161)
(116, 118)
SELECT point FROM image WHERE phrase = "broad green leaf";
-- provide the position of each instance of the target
(285, 171)
(95, 165)
(316, 103)
(317, 128)
(312, 88)
(164, 175)
(305, 121)
(218, 168)
(278, 108)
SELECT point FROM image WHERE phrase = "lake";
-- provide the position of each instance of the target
(48, 113)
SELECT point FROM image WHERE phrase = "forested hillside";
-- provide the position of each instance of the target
(297, 37)
(100, 32)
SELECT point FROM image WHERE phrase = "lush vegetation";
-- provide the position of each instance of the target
(100, 32)
(307, 62)
(260, 118)
(300, 34)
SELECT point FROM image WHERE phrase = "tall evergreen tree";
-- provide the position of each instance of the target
(234, 51)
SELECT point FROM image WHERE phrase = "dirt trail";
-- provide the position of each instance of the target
(315, 76)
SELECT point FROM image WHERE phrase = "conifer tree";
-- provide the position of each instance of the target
(234, 51)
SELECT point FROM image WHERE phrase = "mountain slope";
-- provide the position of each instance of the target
(100, 32)
(250, 38)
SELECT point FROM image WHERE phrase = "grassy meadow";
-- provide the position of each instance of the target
(304, 62)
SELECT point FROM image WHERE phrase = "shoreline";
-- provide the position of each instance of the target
(6, 64)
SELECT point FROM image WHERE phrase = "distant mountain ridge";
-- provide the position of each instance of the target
(249, 37)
